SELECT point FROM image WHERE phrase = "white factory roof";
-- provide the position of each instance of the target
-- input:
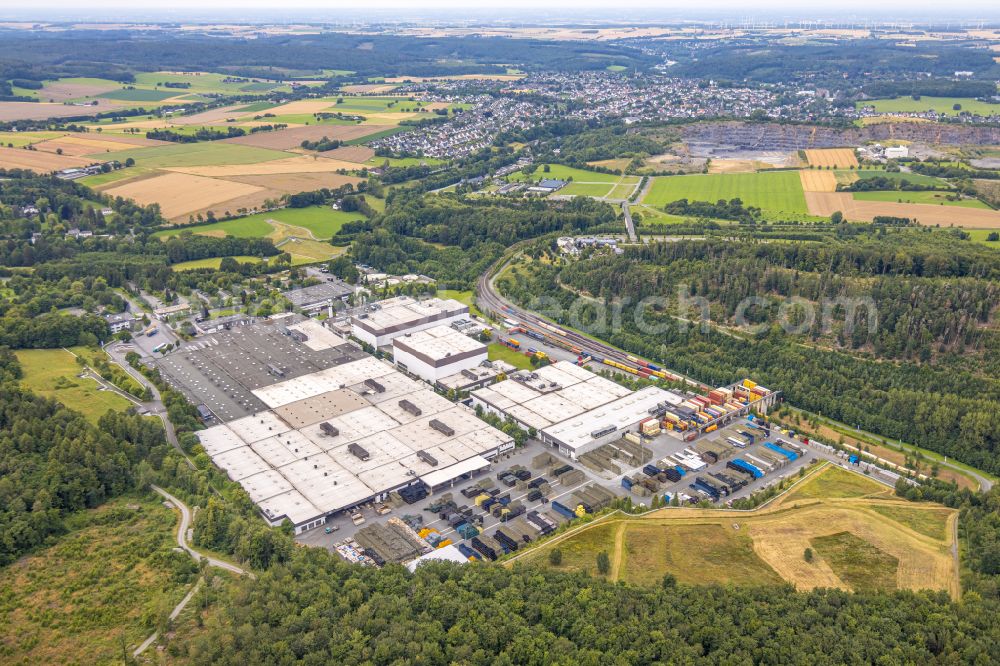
(303, 473)
(622, 413)
(403, 311)
(439, 343)
(551, 394)
(330, 379)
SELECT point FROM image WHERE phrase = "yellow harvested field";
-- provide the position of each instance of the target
(357, 154)
(181, 194)
(619, 163)
(838, 158)
(303, 164)
(818, 181)
(300, 106)
(387, 118)
(292, 137)
(293, 183)
(826, 203)
(370, 88)
(75, 144)
(38, 161)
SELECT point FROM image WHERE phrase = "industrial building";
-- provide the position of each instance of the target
(436, 353)
(319, 296)
(346, 435)
(570, 407)
(386, 320)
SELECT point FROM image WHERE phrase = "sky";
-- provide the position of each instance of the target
(624, 10)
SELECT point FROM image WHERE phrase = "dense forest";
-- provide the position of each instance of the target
(38, 55)
(859, 62)
(934, 297)
(455, 239)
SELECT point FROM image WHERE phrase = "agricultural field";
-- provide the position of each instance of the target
(928, 197)
(317, 223)
(774, 191)
(180, 195)
(818, 181)
(38, 161)
(208, 153)
(861, 536)
(980, 236)
(53, 374)
(915, 178)
(211, 262)
(836, 158)
(99, 588)
(825, 204)
(575, 189)
(561, 172)
(943, 105)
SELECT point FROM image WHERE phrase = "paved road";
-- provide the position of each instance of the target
(117, 352)
(628, 223)
(182, 530)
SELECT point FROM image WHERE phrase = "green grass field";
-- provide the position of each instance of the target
(938, 104)
(141, 95)
(210, 153)
(835, 482)
(915, 178)
(777, 191)
(980, 236)
(693, 553)
(321, 221)
(211, 262)
(99, 587)
(113, 176)
(586, 190)
(561, 172)
(857, 562)
(254, 226)
(21, 139)
(933, 198)
(53, 374)
(498, 352)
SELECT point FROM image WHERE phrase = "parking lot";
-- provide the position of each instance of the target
(658, 447)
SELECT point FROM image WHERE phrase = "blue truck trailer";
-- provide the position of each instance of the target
(791, 455)
(743, 465)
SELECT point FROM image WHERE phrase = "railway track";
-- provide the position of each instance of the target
(490, 301)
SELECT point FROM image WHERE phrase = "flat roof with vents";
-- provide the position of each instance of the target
(332, 441)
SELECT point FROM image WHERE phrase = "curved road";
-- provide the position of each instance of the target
(182, 529)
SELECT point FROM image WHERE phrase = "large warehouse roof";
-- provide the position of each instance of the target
(403, 312)
(334, 440)
(550, 394)
(576, 432)
(439, 344)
